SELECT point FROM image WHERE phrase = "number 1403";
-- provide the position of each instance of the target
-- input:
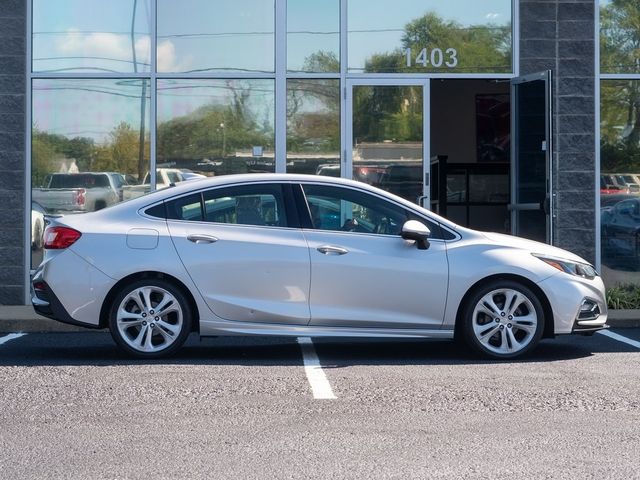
(436, 57)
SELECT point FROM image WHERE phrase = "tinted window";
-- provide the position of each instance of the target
(343, 209)
(158, 211)
(185, 208)
(258, 204)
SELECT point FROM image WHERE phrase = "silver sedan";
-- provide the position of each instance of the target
(305, 255)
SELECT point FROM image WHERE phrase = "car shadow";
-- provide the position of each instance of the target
(98, 349)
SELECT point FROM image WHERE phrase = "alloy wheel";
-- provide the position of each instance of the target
(149, 319)
(504, 321)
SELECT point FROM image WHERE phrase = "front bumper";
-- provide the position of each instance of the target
(567, 294)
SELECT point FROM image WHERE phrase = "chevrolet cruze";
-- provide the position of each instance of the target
(305, 256)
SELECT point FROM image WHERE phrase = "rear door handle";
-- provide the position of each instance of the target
(202, 238)
(332, 250)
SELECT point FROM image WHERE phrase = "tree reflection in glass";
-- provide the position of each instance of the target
(313, 127)
(216, 127)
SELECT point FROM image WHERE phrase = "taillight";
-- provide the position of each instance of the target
(56, 238)
(79, 197)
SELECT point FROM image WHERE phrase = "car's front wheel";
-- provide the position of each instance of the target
(503, 319)
(150, 318)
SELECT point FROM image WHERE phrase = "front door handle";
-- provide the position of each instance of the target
(332, 250)
(202, 238)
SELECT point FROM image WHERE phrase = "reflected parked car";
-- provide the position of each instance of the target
(305, 255)
(620, 227)
(37, 225)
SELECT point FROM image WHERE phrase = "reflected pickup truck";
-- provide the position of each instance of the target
(79, 192)
(164, 178)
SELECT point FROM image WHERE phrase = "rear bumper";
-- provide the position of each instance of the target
(69, 289)
(46, 303)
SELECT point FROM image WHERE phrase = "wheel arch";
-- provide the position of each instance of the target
(546, 305)
(106, 304)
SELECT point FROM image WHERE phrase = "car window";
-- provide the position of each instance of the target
(185, 208)
(117, 180)
(259, 204)
(173, 177)
(628, 207)
(345, 209)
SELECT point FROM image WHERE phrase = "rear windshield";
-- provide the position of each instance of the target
(79, 180)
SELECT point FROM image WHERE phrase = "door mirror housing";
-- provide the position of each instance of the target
(415, 230)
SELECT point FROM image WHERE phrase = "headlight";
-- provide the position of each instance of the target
(583, 270)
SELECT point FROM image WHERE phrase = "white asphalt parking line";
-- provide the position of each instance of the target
(317, 379)
(11, 336)
(620, 338)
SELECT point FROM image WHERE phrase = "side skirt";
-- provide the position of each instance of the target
(218, 329)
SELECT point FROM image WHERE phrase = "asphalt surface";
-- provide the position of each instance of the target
(73, 406)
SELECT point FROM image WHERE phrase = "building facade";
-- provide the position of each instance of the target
(518, 116)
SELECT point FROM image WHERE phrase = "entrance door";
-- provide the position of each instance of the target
(531, 153)
(388, 135)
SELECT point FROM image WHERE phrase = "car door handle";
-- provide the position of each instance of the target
(202, 238)
(332, 250)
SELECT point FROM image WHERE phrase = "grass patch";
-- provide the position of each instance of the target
(624, 297)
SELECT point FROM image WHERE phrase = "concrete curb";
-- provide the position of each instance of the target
(23, 319)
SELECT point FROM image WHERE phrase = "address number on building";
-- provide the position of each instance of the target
(435, 57)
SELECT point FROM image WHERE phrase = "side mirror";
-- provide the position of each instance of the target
(415, 230)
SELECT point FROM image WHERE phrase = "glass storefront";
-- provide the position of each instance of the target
(313, 126)
(620, 150)
(80, 36)
(387, 140)
(216, 127)
(205, 36)
(313, 36)
(131, 95)
(413, 36)
(89, 144)
(620, 181)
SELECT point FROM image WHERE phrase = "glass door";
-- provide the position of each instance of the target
(531, 157)
(388, 136)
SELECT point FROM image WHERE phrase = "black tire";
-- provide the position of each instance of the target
(164, 331)
(509, 332)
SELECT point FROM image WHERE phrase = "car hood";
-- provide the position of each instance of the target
(531, 246)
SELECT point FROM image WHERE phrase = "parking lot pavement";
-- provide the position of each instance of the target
(72, 406)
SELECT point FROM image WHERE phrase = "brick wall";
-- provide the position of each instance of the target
(12, 150)
(559, 35)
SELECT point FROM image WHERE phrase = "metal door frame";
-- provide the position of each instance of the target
(546, 77)
(347, 130)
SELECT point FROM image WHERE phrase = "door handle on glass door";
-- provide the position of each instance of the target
(202, 238)
(332, 250)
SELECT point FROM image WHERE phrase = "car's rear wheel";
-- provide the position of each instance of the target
(150, 318)
(503, 319)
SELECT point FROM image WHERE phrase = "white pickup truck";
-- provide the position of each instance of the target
(79, 192)
(164, 178)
